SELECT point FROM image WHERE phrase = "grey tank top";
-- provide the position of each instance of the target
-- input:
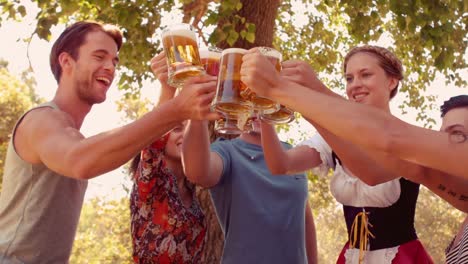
(39, 210)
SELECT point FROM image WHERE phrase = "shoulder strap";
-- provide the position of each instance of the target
(335, 159)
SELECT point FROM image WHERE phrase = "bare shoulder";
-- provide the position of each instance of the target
(35, 126)
(45, 119)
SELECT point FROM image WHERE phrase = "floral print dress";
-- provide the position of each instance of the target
(163, 229)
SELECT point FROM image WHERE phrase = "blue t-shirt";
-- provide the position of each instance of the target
(262, 215)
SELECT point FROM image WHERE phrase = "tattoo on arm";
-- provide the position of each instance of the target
(462, 197)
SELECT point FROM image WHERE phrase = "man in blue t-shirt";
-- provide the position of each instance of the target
(265, 218)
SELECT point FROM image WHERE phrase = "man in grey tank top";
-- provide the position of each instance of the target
(49, 161)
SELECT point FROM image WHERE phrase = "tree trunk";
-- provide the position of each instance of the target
(263, 14)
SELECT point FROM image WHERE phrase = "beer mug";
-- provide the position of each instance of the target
(183, 58)
(210, 60)
(232, 125)
(228, 99)
(261, 104)
(283, 116)
(227, 126)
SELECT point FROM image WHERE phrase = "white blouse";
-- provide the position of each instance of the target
(350, 190)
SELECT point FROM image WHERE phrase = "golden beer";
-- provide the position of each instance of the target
(283, 116)
(228, 98)
(229, 125)
(210, 59)
(262, 104)
(183, 58)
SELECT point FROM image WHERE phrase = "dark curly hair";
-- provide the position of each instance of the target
(452, 103)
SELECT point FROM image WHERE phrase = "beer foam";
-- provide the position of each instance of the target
(209, 54)
(234, 50)
(270, 52)
(242, 118)
(180, 32)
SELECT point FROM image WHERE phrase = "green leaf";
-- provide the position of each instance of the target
(239, 6)
(243, 33)
(22, 10)
(250, 27)
(250, 37)
(212, 19)
(232, 37)
(227, 28)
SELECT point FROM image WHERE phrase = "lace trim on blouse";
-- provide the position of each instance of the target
(347, 188)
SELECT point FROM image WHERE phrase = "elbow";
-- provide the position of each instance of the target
(390, 136)
(196, 176)
(79, 167)
(82, 171)
(277, 168)
(278, 171)
(192, 176)
(386, 141)
(199, 179)
(380, 136)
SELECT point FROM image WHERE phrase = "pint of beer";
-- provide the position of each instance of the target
(283, 116)
(228, 98)
(210, 59)
(183, 58)
(261, 104)
(229, 125)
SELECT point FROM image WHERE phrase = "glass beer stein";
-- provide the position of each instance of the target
(210, 59)
(232, 125)
(261, 104)
(227, 126)
(283, 116)
(183, 58)
(228, 99)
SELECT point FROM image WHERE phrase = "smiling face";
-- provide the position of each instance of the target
(173, 148)
(94, 69)
(367, 82)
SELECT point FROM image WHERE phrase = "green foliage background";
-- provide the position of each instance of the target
(103, 233)
(430, 37)
(16, 96)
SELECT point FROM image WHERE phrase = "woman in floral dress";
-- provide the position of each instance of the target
(167, 223)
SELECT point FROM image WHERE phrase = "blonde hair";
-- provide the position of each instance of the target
(387, 60)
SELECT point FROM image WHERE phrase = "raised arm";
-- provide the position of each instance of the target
(358, 160)
(375, 167)
(282, 161)
(51, 137)
(425, 156)
(358, 123)
(201, 165)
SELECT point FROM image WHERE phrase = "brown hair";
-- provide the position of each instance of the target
(452, 103)
(387, 60)
(74, 37)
